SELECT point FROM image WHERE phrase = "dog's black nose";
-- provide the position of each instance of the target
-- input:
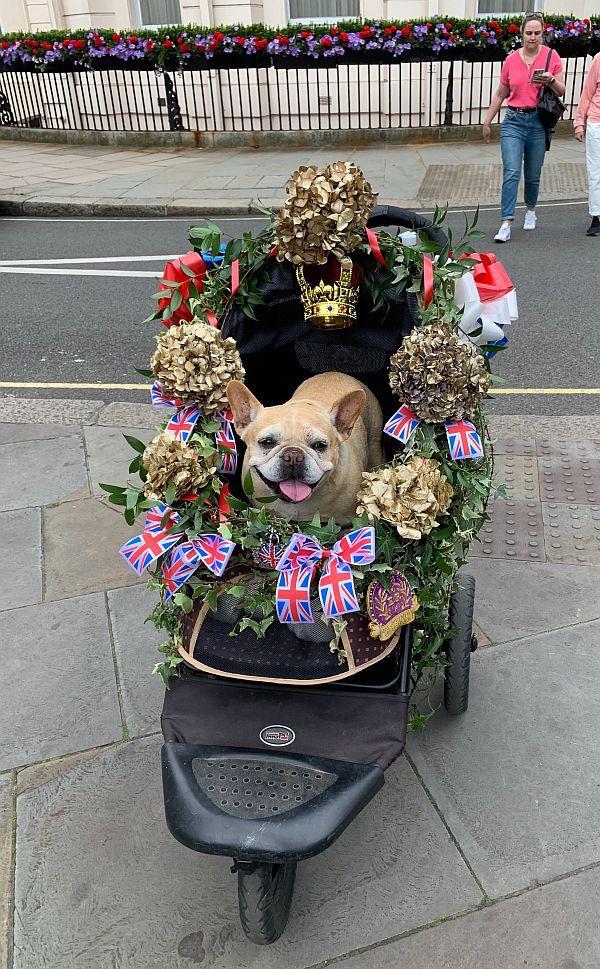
(293, 456)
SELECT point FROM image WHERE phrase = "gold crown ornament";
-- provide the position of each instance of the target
(329, 306)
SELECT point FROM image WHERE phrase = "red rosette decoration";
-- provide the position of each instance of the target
(175, 274)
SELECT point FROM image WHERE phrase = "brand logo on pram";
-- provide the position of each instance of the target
(277, 736)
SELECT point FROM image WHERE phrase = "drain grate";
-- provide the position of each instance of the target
(254, 788)
(454, 183)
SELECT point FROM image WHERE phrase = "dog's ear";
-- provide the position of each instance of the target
(244, 405)
(346, 411)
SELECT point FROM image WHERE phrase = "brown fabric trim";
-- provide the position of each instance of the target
(189, 657)
(348, 648)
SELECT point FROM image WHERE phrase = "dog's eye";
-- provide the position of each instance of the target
(320, 446)
(267, 442)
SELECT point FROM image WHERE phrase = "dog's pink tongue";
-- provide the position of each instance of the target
(294, 490)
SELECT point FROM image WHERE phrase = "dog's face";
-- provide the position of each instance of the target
(291, 448)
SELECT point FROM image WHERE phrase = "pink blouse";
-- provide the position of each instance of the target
(515, 75)
(589, 102)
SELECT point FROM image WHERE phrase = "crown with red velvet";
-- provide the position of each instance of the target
(329, 293)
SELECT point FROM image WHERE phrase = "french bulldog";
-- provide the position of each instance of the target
(311, 451)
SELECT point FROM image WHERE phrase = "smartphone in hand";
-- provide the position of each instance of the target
(536, 77)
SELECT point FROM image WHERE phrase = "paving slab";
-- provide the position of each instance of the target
(16, 433)
(20, 557)
(6, 843)
(58, 689)
(134, 640)
(130, 415)
(112, 888)
(109, 455)
(81, 548)
(514, 600)
(52, 470)
(516, 777)
(553, 927)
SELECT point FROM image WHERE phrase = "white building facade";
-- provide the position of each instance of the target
(32, 15)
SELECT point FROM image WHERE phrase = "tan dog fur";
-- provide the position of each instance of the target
(323, 438)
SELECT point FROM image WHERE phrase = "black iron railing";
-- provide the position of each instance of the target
(375, 95)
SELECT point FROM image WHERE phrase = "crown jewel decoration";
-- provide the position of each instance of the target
(329, 306)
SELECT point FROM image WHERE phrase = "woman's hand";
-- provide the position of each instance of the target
(579, 134)
(487, 133)
(547, 78)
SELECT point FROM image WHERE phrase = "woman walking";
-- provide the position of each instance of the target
(522, 135)
(587, 125)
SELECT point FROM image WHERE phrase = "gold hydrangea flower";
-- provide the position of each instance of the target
(169, 462)
(437, 375)
(325, 213)
(194, 364)
(410, 496)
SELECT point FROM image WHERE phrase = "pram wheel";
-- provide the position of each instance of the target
(265, 897)
(458, 647)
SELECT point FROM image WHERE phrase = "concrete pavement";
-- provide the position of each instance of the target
(481, 852)
(58, 179)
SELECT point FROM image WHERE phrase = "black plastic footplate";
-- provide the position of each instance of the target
(261, 806)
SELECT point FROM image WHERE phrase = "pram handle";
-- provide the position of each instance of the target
(394, 215)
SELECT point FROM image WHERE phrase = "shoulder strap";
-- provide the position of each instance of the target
(548, 59)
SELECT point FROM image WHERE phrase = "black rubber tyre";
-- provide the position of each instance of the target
(458, 648)
(265, 898)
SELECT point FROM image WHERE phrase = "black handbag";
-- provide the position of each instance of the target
(550, 108)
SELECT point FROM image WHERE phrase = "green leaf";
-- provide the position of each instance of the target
(112, 489)
(135, 443)
(248, 484)
(140, 370)
(170, 495)
(129, 515)
(176, 300)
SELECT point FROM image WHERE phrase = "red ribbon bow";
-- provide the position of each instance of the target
(491, 278)
(175, 274)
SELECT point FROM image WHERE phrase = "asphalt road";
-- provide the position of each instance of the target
(60, 327)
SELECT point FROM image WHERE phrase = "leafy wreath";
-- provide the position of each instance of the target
(426, 505)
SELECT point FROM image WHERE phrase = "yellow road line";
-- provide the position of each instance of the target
(146, 387)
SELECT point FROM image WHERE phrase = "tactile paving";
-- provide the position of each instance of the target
(515, 531)
(519, 474)
(514, 446)
(585, 450)
(572, 533)
(568, 477)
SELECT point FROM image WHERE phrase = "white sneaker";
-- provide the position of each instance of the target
(530, 220)
(503, 233)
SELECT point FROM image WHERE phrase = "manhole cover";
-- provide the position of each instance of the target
(457, 183)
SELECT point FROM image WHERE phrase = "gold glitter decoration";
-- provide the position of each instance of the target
(410, 496)
(169, 462)
(325, 212)
(194, 364)
(437, 375)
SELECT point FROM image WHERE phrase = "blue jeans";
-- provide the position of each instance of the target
(523, 144)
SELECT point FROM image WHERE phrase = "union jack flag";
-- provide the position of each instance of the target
(301, 550)
(402, 424)
(159, 398)
(211, 550)
(176, 571)
(268, 554)
(336, 589)
(357, 547)
(293, 595)
(156, 521)
(182, 425)
(142, 550)
(463, 440)
(224, 438)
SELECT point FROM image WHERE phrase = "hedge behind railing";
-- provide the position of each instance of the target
(192, 45)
